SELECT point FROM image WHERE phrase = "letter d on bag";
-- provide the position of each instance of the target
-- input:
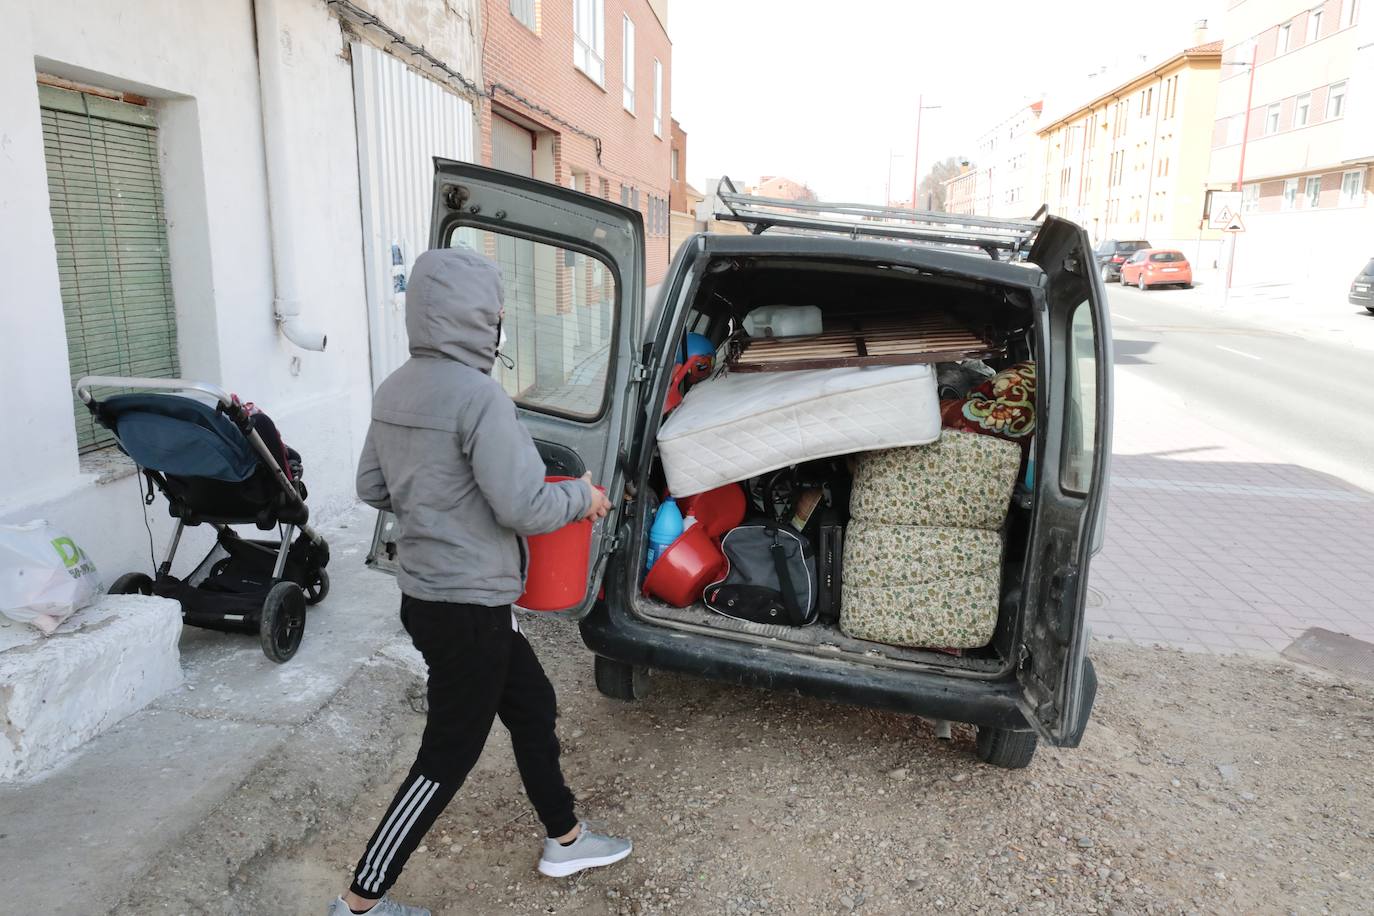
(66, 549)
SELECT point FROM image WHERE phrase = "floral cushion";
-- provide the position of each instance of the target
(921, 586)
(1002, 406)
(963, 480)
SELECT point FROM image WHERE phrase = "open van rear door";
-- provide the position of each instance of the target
(1072, 463)
(573, 268)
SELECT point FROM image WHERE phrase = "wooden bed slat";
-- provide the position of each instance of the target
(927, 338)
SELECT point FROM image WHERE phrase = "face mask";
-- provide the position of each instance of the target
(501, 357)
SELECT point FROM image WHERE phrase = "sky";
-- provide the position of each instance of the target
(826, 93)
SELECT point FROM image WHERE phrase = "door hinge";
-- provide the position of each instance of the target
(639, 372)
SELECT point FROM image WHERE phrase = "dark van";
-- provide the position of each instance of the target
(593, 371)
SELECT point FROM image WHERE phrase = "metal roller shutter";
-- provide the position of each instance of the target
(404, 120)
(106, 202)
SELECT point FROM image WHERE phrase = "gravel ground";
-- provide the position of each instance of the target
(1202, 785)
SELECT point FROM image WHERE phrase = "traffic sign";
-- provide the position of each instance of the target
(1234, 225)
(1223, 206)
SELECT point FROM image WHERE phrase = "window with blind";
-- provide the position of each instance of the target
(106, 201)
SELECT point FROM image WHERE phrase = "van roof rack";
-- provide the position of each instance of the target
(990, 234)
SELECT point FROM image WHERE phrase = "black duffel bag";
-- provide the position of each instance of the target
(771, 577)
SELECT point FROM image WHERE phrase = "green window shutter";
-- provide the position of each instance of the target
(106, 200)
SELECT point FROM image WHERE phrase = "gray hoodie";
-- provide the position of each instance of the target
(446, 452)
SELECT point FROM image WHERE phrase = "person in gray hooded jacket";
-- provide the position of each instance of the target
(447, 454)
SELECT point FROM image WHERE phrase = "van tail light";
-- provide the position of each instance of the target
(1117, 259)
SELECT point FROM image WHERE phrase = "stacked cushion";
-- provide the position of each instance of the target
(923, 551)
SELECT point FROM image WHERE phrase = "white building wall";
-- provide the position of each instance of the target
(196, 64)
(1319, 251)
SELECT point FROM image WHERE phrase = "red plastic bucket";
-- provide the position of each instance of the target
(690, 563)
(556, 577)
(718, 510)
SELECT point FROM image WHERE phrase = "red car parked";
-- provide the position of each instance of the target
(1157, 267)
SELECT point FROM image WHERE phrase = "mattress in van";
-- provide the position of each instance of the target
(739, 425)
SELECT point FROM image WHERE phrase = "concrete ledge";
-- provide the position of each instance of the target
(104, 663)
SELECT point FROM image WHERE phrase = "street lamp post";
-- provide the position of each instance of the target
(916, 154)
(1240, 171)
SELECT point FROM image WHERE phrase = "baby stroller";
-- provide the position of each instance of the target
(220, 464)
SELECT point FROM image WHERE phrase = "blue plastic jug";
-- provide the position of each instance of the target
(667, 528)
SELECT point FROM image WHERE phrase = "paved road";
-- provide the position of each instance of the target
(1303, 398)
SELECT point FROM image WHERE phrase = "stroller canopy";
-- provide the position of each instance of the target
(179, 436)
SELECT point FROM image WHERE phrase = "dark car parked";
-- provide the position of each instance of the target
(1112, 253)
(1033, 681)
(1362, 287)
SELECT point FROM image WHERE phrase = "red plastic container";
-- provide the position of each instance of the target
(556, 578)
(718, 510)
(690, 563)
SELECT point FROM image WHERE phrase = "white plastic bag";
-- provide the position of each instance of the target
(44, 576)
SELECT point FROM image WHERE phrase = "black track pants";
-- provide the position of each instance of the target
(479, 668)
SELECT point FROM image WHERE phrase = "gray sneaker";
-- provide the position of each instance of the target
(384, 907)
(589, 850)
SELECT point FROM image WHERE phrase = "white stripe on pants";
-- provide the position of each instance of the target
(413, 802)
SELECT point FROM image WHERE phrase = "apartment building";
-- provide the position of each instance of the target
(780, 187)
(1131, 161)
(1008, 165)
(682, 197)
(579, 96)
(1308, 72)
(961, 193)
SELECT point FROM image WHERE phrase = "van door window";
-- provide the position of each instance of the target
(560, 307)
(1076, 467)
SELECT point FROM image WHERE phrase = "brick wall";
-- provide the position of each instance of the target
(1271, 192)
(677, 194)
(536, 84)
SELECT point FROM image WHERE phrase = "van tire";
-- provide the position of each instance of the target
(1005, 748)
(621, 681)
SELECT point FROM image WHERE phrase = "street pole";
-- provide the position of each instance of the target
(1240, 176)
(916, 155)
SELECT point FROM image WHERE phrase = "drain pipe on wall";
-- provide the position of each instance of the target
(282, 211)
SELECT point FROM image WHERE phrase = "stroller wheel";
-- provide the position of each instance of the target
(283, 621)
(316, 593)
(132, 584)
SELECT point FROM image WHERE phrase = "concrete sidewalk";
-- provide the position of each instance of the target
(1215, 545)
(73, 840)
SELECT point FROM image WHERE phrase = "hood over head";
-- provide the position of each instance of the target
(453, 301)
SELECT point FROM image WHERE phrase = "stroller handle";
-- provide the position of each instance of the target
(84, 386)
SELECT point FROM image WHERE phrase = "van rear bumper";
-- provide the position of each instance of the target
(612, 632)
